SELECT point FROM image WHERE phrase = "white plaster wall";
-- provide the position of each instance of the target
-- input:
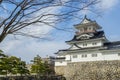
(111, 56)
(89, 44)
(60, 56)
(100, 57)
(63, 63)
(74, 47)
(104, 55)
(88, 58)
(68, 57)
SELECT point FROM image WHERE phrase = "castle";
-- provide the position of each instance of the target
(88, 44)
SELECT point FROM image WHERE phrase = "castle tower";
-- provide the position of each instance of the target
(88, 44)
(89, 34)
(87, 26)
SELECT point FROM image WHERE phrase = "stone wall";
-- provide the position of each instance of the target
(96, 70)
(60, 70)
(33, 77)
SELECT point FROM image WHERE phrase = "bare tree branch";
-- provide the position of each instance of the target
(24, 13)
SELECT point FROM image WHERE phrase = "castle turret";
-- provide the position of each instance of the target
(89, 34)
(88, 44)
(87, 26)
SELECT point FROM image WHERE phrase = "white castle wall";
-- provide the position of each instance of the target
(89, 44)
(101, 56)
(63, 63)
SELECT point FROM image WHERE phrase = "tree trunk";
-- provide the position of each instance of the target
(2, 36)
(1, 1)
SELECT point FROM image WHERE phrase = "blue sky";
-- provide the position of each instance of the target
(27, 48)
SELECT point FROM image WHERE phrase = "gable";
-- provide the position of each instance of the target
(84, 36)
(74, 46)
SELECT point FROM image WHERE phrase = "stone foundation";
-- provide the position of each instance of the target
(60, 70)
(96, 70)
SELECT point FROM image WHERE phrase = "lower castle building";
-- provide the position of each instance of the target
(88, 44)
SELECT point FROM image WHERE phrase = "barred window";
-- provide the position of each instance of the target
(89, 28)
(94, 43)
(84, 55)
(118, 54)
(94, 55)
(74, 56)
(60, 61)
(84, 44)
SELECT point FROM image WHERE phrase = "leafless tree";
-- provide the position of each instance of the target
(20, 14)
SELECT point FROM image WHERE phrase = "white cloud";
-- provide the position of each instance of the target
(39, 29)
(107, 4)
(114, 37)
(8, 45)
(27, 48)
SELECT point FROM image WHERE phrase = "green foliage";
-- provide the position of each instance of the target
(40, 67)
(3, 62)
(1, 54)
(21, 68)
(12, 65)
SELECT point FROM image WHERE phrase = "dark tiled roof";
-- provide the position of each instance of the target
(98, 34)
(57, 57)
(112, 45)
(60, 58)
(106, 46)
(88, 48)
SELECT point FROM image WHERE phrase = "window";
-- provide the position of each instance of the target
(60, 61)
(94, 29)
(74, 56)
(84, 37)
(84, 55)
(94, 43)
(118, 54)
(81, 30)
(85, 29)
(94, 55)
(89, 28)
(84, 44)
